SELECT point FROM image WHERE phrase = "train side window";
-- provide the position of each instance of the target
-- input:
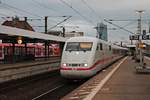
(101, 46)
(110, 48)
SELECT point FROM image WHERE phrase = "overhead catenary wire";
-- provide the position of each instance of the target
(118, 26)
(130, 23)
(60, 23)
(42, 5)
(127, 20)
(20, 10)
(45, 6)
(52, 16)
(76, 11)
(122, 20)
(13, 10)
(126, 25)
(93, 11)
(4, 15)
(41, 18)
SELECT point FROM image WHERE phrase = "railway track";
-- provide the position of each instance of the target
(47, 86)
(21, 82)
(47, 92)
(59, 91)
(38, 87)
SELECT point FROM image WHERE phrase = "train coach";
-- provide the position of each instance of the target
(83, 57)
(33, 51)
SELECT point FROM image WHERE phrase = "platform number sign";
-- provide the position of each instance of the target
(134, 37)
(145, 37)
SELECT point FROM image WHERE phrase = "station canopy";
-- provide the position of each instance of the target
(10, 34)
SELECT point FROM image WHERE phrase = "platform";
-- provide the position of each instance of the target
(124, 84)
(28, 63)
(15, 71)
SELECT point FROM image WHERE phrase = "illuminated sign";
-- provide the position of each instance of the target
(85, 45)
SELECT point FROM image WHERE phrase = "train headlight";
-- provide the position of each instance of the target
(77, 53)
(64, 64)
(85, 65)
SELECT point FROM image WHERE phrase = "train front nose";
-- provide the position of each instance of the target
(73, 73)
(75, 65)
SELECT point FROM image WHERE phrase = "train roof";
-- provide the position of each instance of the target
(86, 39)
(82, 38)
(93, 39)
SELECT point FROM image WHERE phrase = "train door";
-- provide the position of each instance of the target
(105, 54)
(99, 55)
(102, 54)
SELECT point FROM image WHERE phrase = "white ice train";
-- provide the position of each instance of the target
(84, 56)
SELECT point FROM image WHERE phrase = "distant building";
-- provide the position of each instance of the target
(57, 33)
(102, 31)
(73, 34)
(23, 24)
(66, 34)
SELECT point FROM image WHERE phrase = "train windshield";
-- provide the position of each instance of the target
(79, 46)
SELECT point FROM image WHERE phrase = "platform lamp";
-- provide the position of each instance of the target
(19, 40)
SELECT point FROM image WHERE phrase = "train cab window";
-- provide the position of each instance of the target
(72, 46)
(79, 46)
(101, 46)
(86, 46)
(109, 48)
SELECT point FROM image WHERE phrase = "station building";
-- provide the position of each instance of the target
(22, 24)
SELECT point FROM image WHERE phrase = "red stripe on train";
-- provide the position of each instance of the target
(89, 68)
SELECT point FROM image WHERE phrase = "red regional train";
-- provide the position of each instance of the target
(33, 51)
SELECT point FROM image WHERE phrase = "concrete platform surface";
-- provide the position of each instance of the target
(15, 71)
(126, 84)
